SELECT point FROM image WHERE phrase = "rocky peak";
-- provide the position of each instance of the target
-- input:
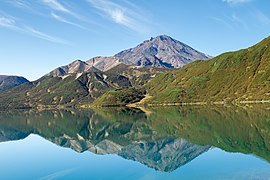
(75, 67)
(163, 38)
(162, 51)
(78, 66)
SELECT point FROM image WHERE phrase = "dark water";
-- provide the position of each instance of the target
(120, 143)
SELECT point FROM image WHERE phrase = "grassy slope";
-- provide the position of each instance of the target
(120, 97)
(15, 97)
(240, 75)
(45, 91)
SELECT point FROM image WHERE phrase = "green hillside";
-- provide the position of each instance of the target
(243, 75)
(68, 91)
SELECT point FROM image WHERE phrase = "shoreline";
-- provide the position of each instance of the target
(136, 105)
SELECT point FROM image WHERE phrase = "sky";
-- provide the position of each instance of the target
(39, 35)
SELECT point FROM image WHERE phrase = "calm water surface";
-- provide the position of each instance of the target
(120, 143)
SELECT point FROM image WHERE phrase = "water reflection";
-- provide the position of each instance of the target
(161, 138)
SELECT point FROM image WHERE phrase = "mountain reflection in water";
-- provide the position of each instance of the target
(163, 138)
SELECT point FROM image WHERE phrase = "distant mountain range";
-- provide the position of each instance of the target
(148, 70)
(9, 82)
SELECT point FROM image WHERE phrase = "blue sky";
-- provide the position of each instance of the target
(40, 35)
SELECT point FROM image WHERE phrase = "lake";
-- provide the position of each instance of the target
(204, 142)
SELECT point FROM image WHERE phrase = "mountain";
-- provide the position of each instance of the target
(162, 51)
(118, 80)
(85, 81)
(9, 82)
(240, 76)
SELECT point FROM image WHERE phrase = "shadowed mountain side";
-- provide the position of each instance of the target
(9, 82)
(10, 134)
(138, 76)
